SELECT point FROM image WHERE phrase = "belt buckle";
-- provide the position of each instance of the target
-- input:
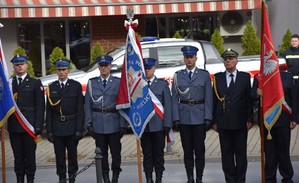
(62, 118)
(104, 110)
(191, 102)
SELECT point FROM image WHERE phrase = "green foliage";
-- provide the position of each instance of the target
(177, 35)
(250, 41)
(21, 51)
(286, 42)
(97, 50)
(56, 54)
(218, 41)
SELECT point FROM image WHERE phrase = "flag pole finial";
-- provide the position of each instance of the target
(130, 22)
(130, 14)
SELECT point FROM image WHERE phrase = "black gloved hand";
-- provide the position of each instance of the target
(176, 125)
(50, 137)
(166, 130)
(122, 131)
(78, 136)
(90, 131)
(37, 131)
(208, 125)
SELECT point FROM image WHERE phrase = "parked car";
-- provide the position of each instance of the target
(167, 51)
(170, 59)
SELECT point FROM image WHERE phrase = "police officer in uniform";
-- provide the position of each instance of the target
(277, 150)
(29, 96)
(192, 111)
(153, 138)
(65, 119)
(102, 119)
(233, 117)
(292, 56)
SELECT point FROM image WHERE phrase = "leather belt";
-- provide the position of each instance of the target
(192, 102)
(68, 117)
(105, 110)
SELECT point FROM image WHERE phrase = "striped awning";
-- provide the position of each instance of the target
(82, 8)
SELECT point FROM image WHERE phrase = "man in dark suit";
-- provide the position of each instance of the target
(65, 119)
(153, 138)
(102, 119)
(277, 150)
(233, 117)
(192, 99)
(29, 97)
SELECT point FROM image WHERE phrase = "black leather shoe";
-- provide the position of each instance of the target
(115, 176)
(106, 177)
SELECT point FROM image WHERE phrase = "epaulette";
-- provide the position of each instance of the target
(94, 78)
(180, 71)
(52, 82)
(218, 73)
(115, 77)
(163, 80)
(203, 70)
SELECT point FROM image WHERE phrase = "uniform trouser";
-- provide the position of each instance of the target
(193, 142)
(277, 155)
(112, 141)
(153, 144)
(233, 144)
(23, 147)
(62, 143)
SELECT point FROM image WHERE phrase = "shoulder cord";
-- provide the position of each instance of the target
(215, 89)
(178, 91)
(51, 102)
(90, 93)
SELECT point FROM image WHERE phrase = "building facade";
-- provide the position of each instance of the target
(76, 25)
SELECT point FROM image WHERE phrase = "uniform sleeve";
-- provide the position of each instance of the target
(39, 105)
(174, 99)
(49, 116)
(88, 107)
(295, 100)
(167, 105)
(208, 99)
(249, 100)
(80, 110)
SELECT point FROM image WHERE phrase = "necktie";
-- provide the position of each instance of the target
(148, 83)
(231, 84)
(190, 75)
(62, 85)
(104, 83)
(20, 81)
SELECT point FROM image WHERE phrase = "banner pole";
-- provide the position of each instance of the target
(3, 154)
(262, 133)
(139, 161)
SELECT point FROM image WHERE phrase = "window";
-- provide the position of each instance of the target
(79, 43)
(29, 39)
(72, 36)
(199, 26)
(170, 56)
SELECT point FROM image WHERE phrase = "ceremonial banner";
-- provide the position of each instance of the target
(6, 100)
(134, 98)
(270, 81)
